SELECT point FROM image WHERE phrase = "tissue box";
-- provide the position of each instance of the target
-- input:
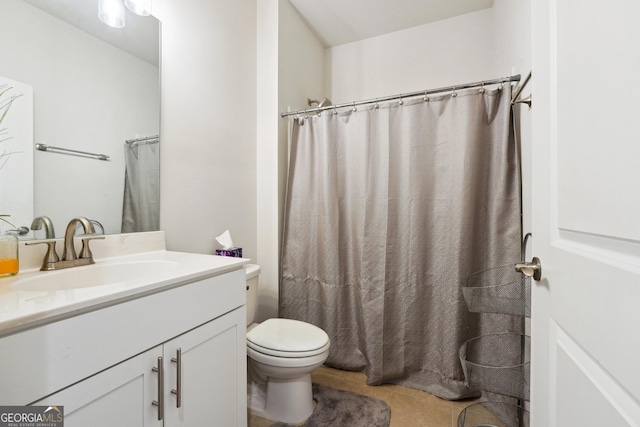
(234, 252)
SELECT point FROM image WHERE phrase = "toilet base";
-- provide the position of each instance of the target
(285, 400)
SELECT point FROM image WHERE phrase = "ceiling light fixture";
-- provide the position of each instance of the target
(139, 7)
(111, 12)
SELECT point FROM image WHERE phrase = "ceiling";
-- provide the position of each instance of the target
(334, 22)
(337, 22)
(140, 36)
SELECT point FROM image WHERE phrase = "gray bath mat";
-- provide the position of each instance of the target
(339, 408)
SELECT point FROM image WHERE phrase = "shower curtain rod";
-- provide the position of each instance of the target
(148, 140)
(515, 78)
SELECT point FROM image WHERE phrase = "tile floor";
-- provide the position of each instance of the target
(409, 407)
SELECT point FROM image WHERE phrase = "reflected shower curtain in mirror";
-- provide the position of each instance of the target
(141, 205)
(388, 210)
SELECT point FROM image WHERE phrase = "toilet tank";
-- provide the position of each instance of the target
(252, 271)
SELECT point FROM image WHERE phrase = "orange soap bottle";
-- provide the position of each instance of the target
(8, 255)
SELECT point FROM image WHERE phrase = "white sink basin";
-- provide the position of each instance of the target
(97, 275)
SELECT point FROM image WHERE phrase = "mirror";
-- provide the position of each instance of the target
(94, 88)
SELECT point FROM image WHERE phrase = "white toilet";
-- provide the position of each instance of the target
(281, 355)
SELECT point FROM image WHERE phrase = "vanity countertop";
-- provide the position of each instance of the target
(27, 301)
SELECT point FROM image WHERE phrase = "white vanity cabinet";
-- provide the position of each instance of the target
(102, 365)
(128, 393)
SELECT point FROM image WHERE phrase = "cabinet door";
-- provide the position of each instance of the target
(118, 396)
(213, 374)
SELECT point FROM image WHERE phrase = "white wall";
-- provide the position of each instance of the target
(290, 69)
(512, 26)
(473, 47)
(79, 84)
(445, 52)
(208, 157)
(268, 159)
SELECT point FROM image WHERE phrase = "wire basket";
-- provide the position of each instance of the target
(493, 414)
(498, 363)
(498, 290)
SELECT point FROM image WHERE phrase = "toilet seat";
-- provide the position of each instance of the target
(288, 338)
(290, 363)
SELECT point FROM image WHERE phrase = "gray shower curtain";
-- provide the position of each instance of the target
(388, 210)
(141, 204)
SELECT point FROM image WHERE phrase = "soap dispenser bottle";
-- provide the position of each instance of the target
(8, 255)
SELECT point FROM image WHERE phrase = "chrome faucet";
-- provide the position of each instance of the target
(69, 256)
(69, 253)
(38, 222)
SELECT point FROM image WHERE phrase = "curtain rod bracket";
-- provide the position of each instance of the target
(520, 87)
(526, 100)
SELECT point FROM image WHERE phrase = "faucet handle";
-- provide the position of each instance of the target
(86, 251)
(51, 256)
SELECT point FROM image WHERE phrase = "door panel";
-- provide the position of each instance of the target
(594, 54)
(603, 401)
(586, 213)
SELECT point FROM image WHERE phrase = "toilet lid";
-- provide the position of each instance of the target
(277, 336)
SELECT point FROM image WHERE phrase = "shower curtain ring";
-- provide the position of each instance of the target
(426, 96)
(401, 102)
(318, 111)
(376, 106)
(354, 107)
(500, 87)
(482, 88)
(454, 94)
(335, 112)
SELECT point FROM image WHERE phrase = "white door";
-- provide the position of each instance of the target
(586, 213)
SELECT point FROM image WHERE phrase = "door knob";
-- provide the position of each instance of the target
(531, 269)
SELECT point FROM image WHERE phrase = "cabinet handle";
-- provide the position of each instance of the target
(178, 390)
(160, 402)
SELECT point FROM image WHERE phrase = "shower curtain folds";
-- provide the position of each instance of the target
(388, 210)
(141, 202)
